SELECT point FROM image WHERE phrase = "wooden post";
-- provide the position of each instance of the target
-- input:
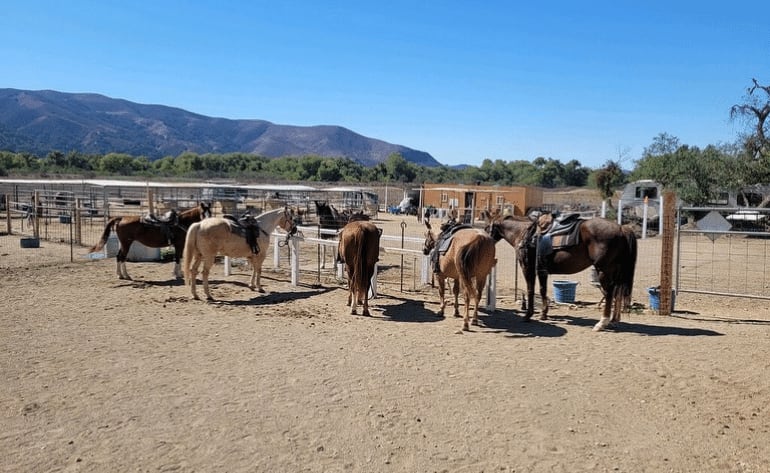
(150, 201)
(667, 252)
(76, 220)
(38, 213)
(8, 213)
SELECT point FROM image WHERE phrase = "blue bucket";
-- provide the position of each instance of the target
(654, 293)
(564, 291)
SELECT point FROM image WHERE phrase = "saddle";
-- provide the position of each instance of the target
(165, 222)
(444, 241)
(563, 232)
(247, 227)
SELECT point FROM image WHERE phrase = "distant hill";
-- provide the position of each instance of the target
(42, 121)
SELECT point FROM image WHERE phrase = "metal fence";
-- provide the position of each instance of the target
(724, 251)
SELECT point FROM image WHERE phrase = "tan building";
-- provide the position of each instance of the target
(471, 200)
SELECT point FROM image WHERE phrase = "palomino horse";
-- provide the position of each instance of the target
(359, 250)
(152, 234)
(608, 246)
(220, 236)
(468, 261)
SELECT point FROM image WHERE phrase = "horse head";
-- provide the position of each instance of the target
(430, 240)
(205, 210)
(288, 223)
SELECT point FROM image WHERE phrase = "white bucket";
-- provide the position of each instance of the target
(139, 253)
(112, 246)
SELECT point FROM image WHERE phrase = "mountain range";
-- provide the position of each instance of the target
(42, 121)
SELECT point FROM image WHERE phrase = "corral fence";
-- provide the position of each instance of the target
(723, 251)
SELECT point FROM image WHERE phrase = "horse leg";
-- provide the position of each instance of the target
(177, 258)
(441, 290)
(352, 299)
(481, 283)
(456, 292)
(121, 259)
(543, 279)
(466, 318)
(611, 301)
(207, 264)
(196, 262)
(258, 274)
(365, 298)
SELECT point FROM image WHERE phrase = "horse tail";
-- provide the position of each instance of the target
(470, 256)
(190, 248)
(358, 283)
(105, 234)
(628, 267)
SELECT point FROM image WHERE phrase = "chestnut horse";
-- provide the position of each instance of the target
(220, 236)
(468, 261)
(154, 235)
(359, 249)
(608, 246)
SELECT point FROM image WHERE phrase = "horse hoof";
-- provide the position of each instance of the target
(466, 328)
(598, 328)
(261, 290)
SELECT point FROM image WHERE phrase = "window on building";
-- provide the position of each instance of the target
(500, 200)
(444, 197)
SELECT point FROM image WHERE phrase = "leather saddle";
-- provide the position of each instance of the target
(165, 222)
(564, 231)
(444, 241)
(247, 227)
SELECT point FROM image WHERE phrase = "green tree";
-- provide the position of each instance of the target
(609, 178)
(756, 110)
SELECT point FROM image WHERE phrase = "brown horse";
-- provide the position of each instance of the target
(359, 250)
(468, 261)
(608, 246)
(154, 235)
(219, 236)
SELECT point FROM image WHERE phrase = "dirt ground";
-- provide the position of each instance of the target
(107, 375)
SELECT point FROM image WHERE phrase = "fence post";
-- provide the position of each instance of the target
(76, 221)
(276, 253)
(38, 213)
(492, 289)
(8, 213)
(620, 212)
(294, 261)
(667, 254)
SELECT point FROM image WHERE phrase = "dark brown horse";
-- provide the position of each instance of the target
(359, 249)
(608, 246)
(329, 218)
(152, 234)
(468, 260)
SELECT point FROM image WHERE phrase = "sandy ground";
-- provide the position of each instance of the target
(106, 375)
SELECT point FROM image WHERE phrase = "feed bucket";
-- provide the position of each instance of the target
(564, 291)
(654, 293)
(30, 242)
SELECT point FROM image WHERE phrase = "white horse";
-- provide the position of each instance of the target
(220, 236)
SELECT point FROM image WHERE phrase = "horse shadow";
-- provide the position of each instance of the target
(635, 327)
(272, 298)
(407, 310)
(510, 322)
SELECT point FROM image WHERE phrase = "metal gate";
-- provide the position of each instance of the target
(723, 251)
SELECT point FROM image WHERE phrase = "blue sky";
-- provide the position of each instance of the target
(464, 81)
